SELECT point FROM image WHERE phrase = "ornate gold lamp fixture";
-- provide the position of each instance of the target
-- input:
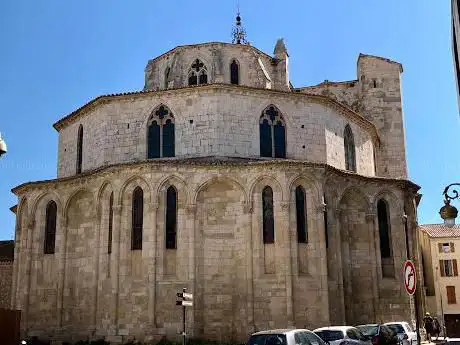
(448, 212)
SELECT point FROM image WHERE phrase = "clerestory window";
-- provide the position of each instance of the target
(161, 137)
(198, 73)
(272, 133)
(349, 146)
(234, 73)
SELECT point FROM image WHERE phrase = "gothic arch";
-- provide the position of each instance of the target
(393, 202)
(73, 195)
(132, 183)
(179, 184)
(358, 193)
(219, 179)
(232, 61)
(148, 114)
(310, 185)
(259, 183)
(105, 186)
(44, 198)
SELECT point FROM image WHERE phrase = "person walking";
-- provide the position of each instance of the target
(436, 327)
(429, 327)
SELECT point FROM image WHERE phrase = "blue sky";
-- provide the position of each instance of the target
(57, 55)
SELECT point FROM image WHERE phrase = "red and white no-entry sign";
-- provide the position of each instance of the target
(409, 277)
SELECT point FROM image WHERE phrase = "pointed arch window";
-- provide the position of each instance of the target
(349, 145)
(234, 73)
(137, 218)
(79, 149)
(109, 240)
(198, 73)
(384, 235)
(171, 218)
(272, 134)
(301, 215)
(167, 71)
(50, 228)
(268, 226)
(161, 134)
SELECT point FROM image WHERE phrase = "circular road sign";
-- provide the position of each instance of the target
(409, 277)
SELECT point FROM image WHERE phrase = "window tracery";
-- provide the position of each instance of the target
(272, 133)
(161, 134)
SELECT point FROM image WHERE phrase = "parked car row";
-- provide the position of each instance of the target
(392, 333)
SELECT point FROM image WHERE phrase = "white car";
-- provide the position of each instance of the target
(285, 337)
(342, 335)
(404, 331)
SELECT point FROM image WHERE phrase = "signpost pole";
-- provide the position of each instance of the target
(411, 288)
(183, 320)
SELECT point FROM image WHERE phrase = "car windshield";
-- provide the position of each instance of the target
(328, 335)
(396, 327)
(368, 330)
(268, 339)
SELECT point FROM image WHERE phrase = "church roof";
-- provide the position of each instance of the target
(107, 98)
(215, 161)
(207, 44)
(440, 230)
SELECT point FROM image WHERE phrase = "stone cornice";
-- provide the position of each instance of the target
(236, 89)
(211, 162)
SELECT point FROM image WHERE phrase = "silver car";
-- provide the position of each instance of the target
(342, 335)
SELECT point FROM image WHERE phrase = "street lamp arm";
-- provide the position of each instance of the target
(454, 192)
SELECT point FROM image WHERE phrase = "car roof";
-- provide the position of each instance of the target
(396, 322)
(369, 324)
(280, 331)
(333, 328)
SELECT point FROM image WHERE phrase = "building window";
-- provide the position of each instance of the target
(384, 235)
(109, 241)
(448, 268)
(446, 247)
(79, 149)
(171, 218)
(267, 215)
(451, 298)
(272, 134)
(167, 76)
(50, 228)
(301, 215)
(326, 235)
(349, 145)
(198, 73)
(234, 72)
(161, 137)
(137, 218)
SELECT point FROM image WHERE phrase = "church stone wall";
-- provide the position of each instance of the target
(217, 58)
(376, 95)
(209, 122)
(240, 283)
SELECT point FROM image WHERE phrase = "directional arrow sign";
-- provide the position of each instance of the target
(185, 303)
(185, 295)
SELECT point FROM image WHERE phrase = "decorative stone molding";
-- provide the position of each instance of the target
(370, 217)
(321, 208)
(190, 209)
(285, 205)
(247, 207)
(31, 224)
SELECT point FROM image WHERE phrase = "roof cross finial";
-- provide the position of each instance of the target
(238, 33)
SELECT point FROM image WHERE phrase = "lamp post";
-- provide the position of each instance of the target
(448, 212)
(2, 146)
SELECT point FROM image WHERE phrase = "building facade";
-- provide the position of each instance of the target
(275, 206)
(441, 257)
(6, 272)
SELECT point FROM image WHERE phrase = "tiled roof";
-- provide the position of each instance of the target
(6, 250)
(440, 230)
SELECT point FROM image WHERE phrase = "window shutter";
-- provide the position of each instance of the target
(441, 268)
(440, 247)
(455, 267)
(451, 298)
(452, 247)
